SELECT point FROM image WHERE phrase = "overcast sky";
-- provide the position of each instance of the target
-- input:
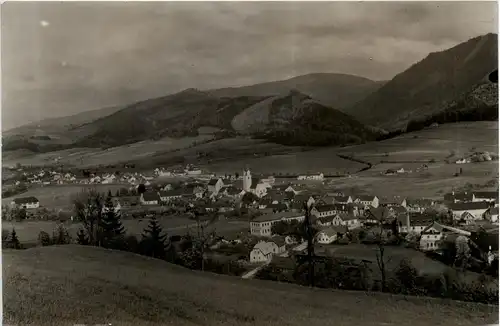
(63, 58)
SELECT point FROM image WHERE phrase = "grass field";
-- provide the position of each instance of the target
(67, 285)
(448, 140)
(60, 196)
(28, 231)
(431, 183)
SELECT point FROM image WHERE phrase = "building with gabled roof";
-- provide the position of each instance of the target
(26, 202)
(489, 196)
(432, 235)
(476, 209)
(330, 234)
(150, 198)
(261, 225)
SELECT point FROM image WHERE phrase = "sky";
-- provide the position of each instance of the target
(64, 58)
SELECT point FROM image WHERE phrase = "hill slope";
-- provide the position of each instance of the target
(425, 86)
(83, 285)
(336, 90)
(181, 114)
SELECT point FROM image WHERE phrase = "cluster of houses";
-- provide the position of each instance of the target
(336, 215)
(47, 177)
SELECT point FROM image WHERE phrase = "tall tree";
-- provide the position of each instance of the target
(141, 189)
(88, 207)
(154, 241)
(81, 238)
(44, 239)
(112, 231)
(13, 241)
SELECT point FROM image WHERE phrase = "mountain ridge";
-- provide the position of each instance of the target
(427, 84)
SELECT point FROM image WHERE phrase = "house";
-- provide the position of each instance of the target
(390, 172)
(324, 221)
(232, 192)
(458, 197)
(489, 196)
(467, 219)
(171, 195)
(418, 205)
(414, 222)
(476, 209)
(324, 211)
(264, 250)
(150, 198)
(261, 225)
(342, 200)
(330, 235)
(318, 177)
(491, 214)
(26, 202)
(401, 170)
(277, 207)
(215, 185)
(351, 221)
(378, 215)
(432, 235)
(368, 200)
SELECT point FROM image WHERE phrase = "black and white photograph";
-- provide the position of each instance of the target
(279, 163)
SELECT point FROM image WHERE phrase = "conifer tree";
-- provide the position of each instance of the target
(154, 243)
(112, 231)
(81, 238)
(13, 241)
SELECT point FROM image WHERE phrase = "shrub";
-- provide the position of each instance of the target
(44, 239)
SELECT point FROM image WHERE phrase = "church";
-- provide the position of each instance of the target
(254, 185)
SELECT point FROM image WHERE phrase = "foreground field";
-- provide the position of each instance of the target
(28, 231)
(81, 285)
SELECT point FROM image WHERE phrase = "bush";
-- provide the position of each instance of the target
(44, 239)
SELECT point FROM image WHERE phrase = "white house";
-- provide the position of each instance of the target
(434, 233)
(352, 222)
(26, 202)
(171, 195)
(326, 236)
(491, 214)
(318, 177)
(261, 225)
(150, 198)
(476, 209)
(215, 185)
(372, 201)
(324, 210)
(489, 196)
(264, 250)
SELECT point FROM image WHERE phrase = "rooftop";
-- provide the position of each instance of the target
(277, 216)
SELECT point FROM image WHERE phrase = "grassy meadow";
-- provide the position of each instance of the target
(66, 285)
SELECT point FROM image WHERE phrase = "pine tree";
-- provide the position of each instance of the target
(109, 194)
(82, 238)
(154, 243)
(112, 230)
(13, 241)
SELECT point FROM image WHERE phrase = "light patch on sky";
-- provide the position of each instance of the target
(98, 54)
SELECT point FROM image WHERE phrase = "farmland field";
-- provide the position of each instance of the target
(121, 288)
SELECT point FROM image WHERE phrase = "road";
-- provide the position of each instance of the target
(254, 271)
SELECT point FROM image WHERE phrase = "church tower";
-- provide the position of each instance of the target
(247, 180)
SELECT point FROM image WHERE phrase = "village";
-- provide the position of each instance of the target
(273, 207)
